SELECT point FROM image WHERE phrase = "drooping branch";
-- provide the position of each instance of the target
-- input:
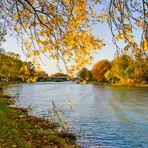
(55, 28)
(126, 16)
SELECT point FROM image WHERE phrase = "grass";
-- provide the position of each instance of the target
(18, 129)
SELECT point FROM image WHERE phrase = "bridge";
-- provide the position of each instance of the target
(55, 78)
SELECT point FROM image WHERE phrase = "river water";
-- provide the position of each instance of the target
(106, 116)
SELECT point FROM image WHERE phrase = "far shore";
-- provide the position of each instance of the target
(116, 84)
(3, 84)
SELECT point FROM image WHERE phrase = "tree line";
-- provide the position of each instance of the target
(123, 69)
(12, 68)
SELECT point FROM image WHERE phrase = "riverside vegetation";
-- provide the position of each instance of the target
(13, 69)
(122, 70)
(18, 129)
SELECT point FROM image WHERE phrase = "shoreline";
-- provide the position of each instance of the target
(4, 84)
(18, 129)
(117, 84)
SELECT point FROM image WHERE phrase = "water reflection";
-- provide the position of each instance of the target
(111, 116)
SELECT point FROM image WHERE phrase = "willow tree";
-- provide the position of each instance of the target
(58, 29)
(125, 17)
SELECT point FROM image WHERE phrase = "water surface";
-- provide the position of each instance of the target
(108, 116)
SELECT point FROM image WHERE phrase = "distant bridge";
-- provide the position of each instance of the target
(55, 78)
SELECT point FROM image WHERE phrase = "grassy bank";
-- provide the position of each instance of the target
(18, 129)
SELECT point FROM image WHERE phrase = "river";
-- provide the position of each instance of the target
(107, 116)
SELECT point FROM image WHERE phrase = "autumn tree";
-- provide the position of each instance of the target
(140, 72)
(122, 68)
(127, 70)
(99, 70)
(13, 69)
(62, 29)
(58, 29)
(28, 72)
(125, 17)
(10, 65)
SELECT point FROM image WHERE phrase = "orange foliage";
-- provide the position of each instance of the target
(99, 69)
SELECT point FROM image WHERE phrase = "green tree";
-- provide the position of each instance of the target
(121, 68)
(10, 66)
(85, 74)
(59, 74)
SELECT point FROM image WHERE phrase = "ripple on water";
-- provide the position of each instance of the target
(107, 116)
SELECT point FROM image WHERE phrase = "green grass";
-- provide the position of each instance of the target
(18, 129)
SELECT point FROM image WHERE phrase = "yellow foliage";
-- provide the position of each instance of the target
(67, 1)
(36, 53)
(61, 29)
(139, 24)
(43, 19)
(27, 43)
(25, 25)
(120, 36)
(31, 36)
(27, 74)
(131, 38)
(84, 82)
(16, 28)
(144, 44)
(45, 49)
(15, 16)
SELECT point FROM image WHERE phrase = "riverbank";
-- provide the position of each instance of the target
(18, 129)
(117, 84)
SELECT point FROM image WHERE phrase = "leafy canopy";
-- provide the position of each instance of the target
(99, 69)
(62, 29)
(58, 29)
(125, 17)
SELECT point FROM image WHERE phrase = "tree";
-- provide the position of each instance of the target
(126, 70)
(85, 74)
(59, 29)
(42, 75)
(140, 72)
(122, 68)
(59, 74)
(10, 66)
(124, 18)
(99, 70)
(28, 72)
